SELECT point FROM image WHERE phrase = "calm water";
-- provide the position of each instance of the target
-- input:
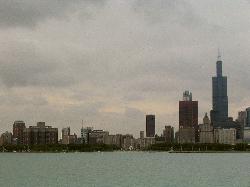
(124, 169)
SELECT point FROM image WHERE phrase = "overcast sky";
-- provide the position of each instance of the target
(110, 62)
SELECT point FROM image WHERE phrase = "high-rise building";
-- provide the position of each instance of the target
(18, 128)
(248, 117)
(188, 119)
(150, 125)
(220, 98)
(40, 135)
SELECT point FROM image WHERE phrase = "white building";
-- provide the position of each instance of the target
(247, 135)
(225, 136)
(206, 131)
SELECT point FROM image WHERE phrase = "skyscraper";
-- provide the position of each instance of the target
(188, 111)
(188, 119)
(220, 98)
(150, 125)
(18, 128)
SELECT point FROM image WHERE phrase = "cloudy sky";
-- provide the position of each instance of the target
(110, 62)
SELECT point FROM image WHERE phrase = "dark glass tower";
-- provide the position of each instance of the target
(150, 125)
(220, 98)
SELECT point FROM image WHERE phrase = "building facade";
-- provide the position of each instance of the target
(98, 136)
(68, 138)
(219, 112)
(150, 125)
(40, 135)
(246, 135)
(168, 134)
(225, 136)
(206, 131)
(248, 117)
(188, 119)
(18, 136)
(65, 135)
(85, 134)
(6, 138)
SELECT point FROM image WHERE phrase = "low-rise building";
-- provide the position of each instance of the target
(67, 138)
(186, 135)
(6, 138)
(128, 142)
(40, 135)
(113, 140)
(247, 135)
(97, 136)
(168, 134)
(225, 136)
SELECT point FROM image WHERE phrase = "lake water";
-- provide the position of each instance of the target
(124, 169)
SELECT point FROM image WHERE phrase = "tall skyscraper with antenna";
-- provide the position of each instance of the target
(220, 98)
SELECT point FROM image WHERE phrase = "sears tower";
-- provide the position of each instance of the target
(220, 99)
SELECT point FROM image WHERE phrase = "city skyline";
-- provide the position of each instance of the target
(82, 67)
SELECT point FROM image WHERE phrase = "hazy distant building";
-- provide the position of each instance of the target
(150, 125)
(188, 119)
(67, 138)
(206, 131)
(18, 128)
(128, 142)
(6, 138)
(246, 135)
(85, 134)
(65, 135)
(186, 135)
(248, 117)
(220, 98)
(40, 135)
(113, 140)
(168, 134)
(225, 136)
(241, 123)
(98, 136)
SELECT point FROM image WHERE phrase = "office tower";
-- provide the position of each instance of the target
(150, 125)
(220, 98)
(40, 135)
(248, 117)
(168, 134)
(85, 134)
(18, 128)
(188, 119)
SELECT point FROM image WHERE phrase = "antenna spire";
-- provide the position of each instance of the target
(219, 55)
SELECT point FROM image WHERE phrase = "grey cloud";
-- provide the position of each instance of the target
(22, 64)
(27, 13)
